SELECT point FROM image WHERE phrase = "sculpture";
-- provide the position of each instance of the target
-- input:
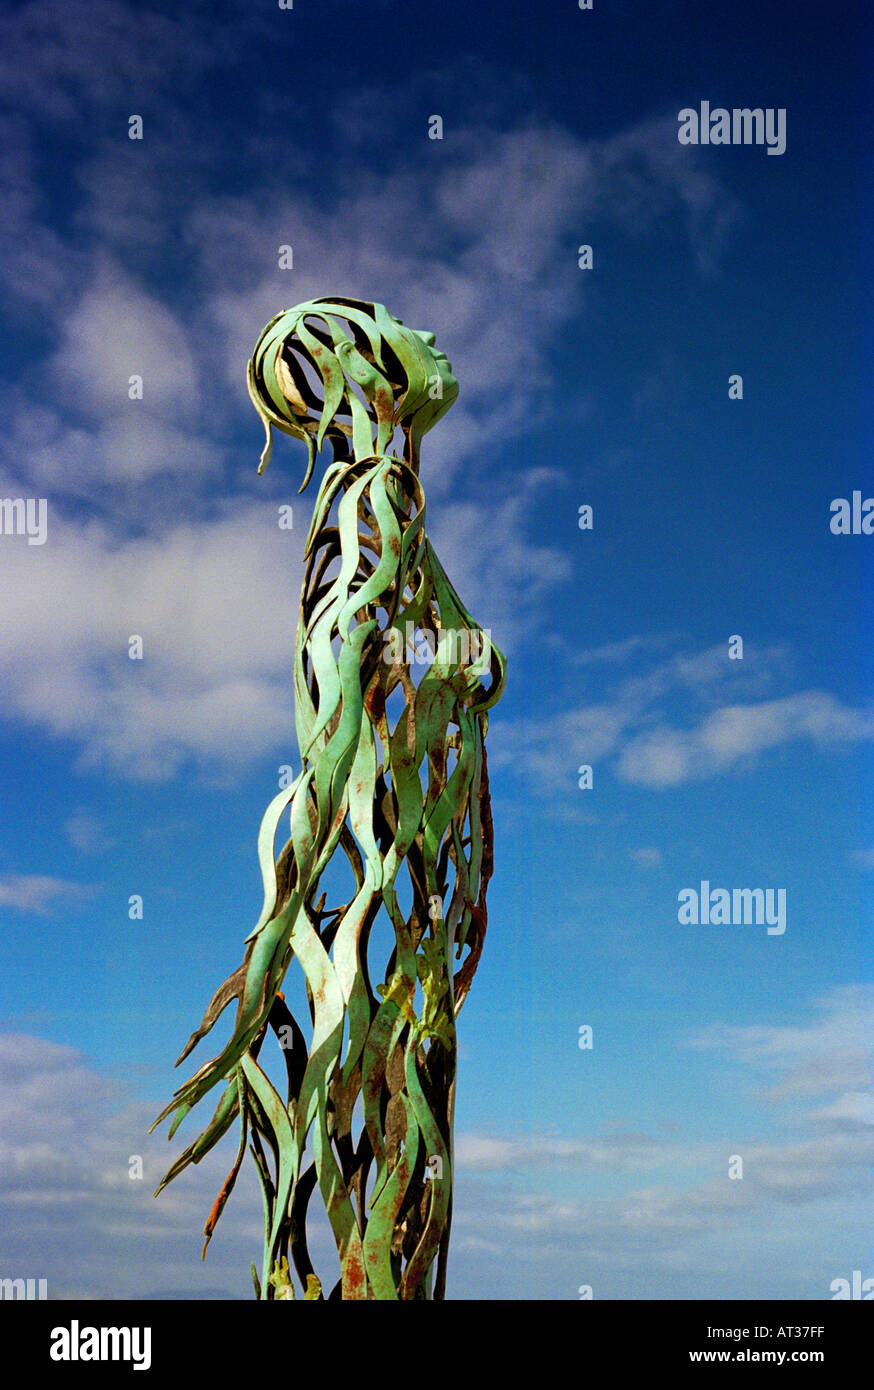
(347, 371)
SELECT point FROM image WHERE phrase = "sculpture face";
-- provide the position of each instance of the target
(437, 365)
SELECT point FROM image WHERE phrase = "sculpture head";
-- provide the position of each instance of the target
(348, 370)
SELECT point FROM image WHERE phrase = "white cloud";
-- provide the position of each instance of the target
(502, 211)
(833, 1069)
(829, 1055)
(71, 1212)
(647, 857)
(841, 1027)
(102, 463)
(630, 725)
(86, 832)
(853, 1108)
(215, 608)
(499, 574)
(74, 432)
(611, 1153)
(37, 892)
(80, 70)
(740, 733)
(548, 752)
(614, 653)
(49, 61)
(114, 331)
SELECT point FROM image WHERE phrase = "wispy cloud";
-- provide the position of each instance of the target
(831, 1054)
(215, 612)
(37, 893)
(647, 857)
(736, 735)
(678, 1219)
(632, 730)
(86, 832)
(72, 1212)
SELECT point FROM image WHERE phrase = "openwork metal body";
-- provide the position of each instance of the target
(393, 782)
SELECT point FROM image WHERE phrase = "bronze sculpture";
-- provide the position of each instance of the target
(392, 790)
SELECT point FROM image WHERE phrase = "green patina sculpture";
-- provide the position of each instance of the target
(403, 796)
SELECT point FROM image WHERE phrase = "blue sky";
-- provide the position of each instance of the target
(608, 387)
